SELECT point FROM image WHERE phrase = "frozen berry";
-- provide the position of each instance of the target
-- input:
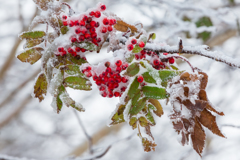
(73, 39)
(130, 47)
(108, 70)
(140, 78)
(156, 62)
(141, 44)
(105, 21)
(171, 60)
(116, 94)
(64, 17)
(74, 53)
(76, 23)
(97, 24)
(92, 23)
(89, 74)
(112, 21)
(94, 35)
(95, 77)
(94, 40)
(82, 23)
(118, 69)
(103, 7)
(70, 50)
(77, 49)
(84, 31)
(143, 52)
(118, 63)
(134, 41)
(89, 19)
(83, 50)
(165, 54)
(81, 38)
(87, 36)
(92, 13)
(110, 95)
(77, 30)
(107, 64)
(71, 24)
(104, 30)
(102, 88)
(99, 40)
(136, 57)
(60, 49)
(104, 94)
(88, 26)
(124, 66)
(97, 14)
(124, 80)
(85, 18)
(92, 30)
(64, 53)
(65, 23)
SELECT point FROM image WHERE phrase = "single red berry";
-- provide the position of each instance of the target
(115, 85)
(87, 36)
(107, 64)
(64, 53)
(111, 74)
(64, 17)
(89, 74)
(108, 70)
(83, 50)
(171, 60)
(99, 40)
(130, 47)
(60, 49)
(92, 30)
(77, 49)
(82, 23)
(110, 28)
(71, 24)
(74, 53)
(118, 63)
(110, 86)
(65, 23)
(123, 89)
(102, 88)
(84, 58)
(165, 54)
(105, 21)
(73, 39)
(112, 21)
(105, 79)
(95, 77)
(143, 52)
(116, 94)
(124, 66)
(70, 50)
(103, 7)
(92, 13)
(156, 62)
(104, 94)
(134, 41)
(85, 18)
(97, 24)
(88, 68)
(124, 80)
(81, 38)
(140, 78)
(92, 23)
(136, 57)
(98, 82)
(110, 95)
(97, 14)
(118, 79)
(94, 40)
(141, 44)
(104, 30)
(88, 26)
(118, 69)
(76, 23)
(94, 35)
(89, 19)
(77, 30)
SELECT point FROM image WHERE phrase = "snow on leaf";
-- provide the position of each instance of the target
(143, 121)
(118, 116)
(133, 88)
(33, 42)
(148, 78)
(77, 83)
(136, 97)
(154, 92)
(150, 117)
(40, 87)
(209, 121)
(138, 106)
(73, 70)
(76, 60)
(31, 55)
(133, 122)
(158, 106)
(59, 102)
(165, 75)
(86, 45)
(32, 35)
(123, 26)
(137, 49)
(132, 70)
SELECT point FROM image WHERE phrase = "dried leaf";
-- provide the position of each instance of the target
(209, 107)
(118, 116)
(31, 55)
(185, 76)
(209, 121)
(158, 106)
(143, 121)
(43, 4)
(204, 80)
(33, 42)
(78, 83)
(132, 70)
(186, 91)
(202, 95)
(40, 87)
(148, 145)
(123, 26)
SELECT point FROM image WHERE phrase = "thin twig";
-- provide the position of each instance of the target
(230, 125)
(184, 59)
(71, 11)
(85, 132)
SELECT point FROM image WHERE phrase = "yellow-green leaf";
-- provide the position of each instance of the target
(40, 87)
(143, 121)
(148, 78)
(73, 70)
(33, 42)
(31, 55)
(150, 117)
(32, 35)
(133, 122)
(118, 116)
(132, 70)
(158, 107)
(137, 49)
(78, 83)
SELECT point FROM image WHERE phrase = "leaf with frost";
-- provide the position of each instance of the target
(148, 78)
(59, 102)
(133, 88)
(123, 26)
(143, 121)
(31, 55)
(76, 60)
(148, 145)
(32, 35)
(132, 70)
(118, 116)
(33, 42)
(136, 97)
(40, 87)
(137, 49)
(138, 106)
(204, 21)
(150, 117)
(166, 75)
(158, 110)
(63, 29)
(68, 101)
(133, 122)
(86, 45)
(154, 92)
(73, 70)
(78, 83)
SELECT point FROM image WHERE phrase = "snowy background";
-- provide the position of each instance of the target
(31, 129)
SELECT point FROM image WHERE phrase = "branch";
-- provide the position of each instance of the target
(230, 125)
(198, 50)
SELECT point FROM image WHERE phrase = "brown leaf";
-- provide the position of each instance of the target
(178, 126)
(123, 26)
(209, 107)
(148, 131)
(40, 87)
(186, 91)
(156, 103)
(204, 80)
(185, 76)
(202, 95)
(148, 145)
(198, 137)
(195, 108)
(31, 55)
(209, 121)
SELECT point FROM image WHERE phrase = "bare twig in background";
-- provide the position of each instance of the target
(230, 125)
(85, 132)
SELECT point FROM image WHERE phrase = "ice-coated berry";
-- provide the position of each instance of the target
(165, 54)
(77, 30)
(77, 49)
(140, 78)
(73, 39)
(92, 30)
(110, 28)
(156, 62)
(97, 24)
(107, 64)
(103, 7)
(97, 14)
(118, 63)
(105, 21)
(82, 23)
(65, 23)
(94, 35)
(64, 17)
(87, 36)
(141, 44)
(134, 41)
(171, 60)
(70, 50)
(92, 13)
(81, 38)
(60, 49)
(124, 66)
(104, 30)
(112, 21)
(130, 47)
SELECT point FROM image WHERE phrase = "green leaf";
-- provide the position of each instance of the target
(73, 70)
(174, 67)
(133, 122)
(118, 116)
(204, 21)
(137, 49)
(33, 42)
(132, 70)
(32, 35)
(59, 102)
(76, 60)
(150, 106)
(158, 110)
(143, 121)
(86, 45)
(150, 117)
(40, 87)
(154, 92)
(64, 29)
(154, 36)
(165, 75)
(148, 78)
(133, 88)
(136, 97)
(138, 107)
(31, 55)
(78, 83)
(130, 58)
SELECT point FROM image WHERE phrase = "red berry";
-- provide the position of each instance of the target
(103, 7)
(74, 53)
(171, 60)
(124, 80)
(124, 66)
(97, 24)
(110, 28)
(92, 23)
(104, 94)
(83, 50)
(165, 54)
(77, 30)
(130, 47)
(92, 13)
(110, 95)
(92, 30)
(116, 94)
(76, 23)
(118, 80)
(64, 53)
(84, 31)
(89, 19)
(60, 49)
(108, 70)
(105, 21)
(115, 85)
(99, 40)
(158, 67)
(88, 68)
(73, 39)
(88, 26)
(156, 62)
(118, 69)
(64, 17)
(77, 49)
(112, 21)
(95, 77)
(81, 38)
(102, 88)
(85, 18)
(104, 30)
(123, 89)
(107, 64)
(136, 57)
(87, 36)
(84, 58)
(141, 44)
(94, 40)
(94, 35)
(118, 63)
(140, 78)
(71, 24)
(70, 50)
(65, 23)
(89, 74)
(149, 53)
(82, 23)
(105, 79)
(98, 82)
(97, 14)
(134, 41)
(143, 52)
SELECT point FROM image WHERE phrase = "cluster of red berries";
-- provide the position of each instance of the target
(133, 43)
(87, 27)
(110, 82)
